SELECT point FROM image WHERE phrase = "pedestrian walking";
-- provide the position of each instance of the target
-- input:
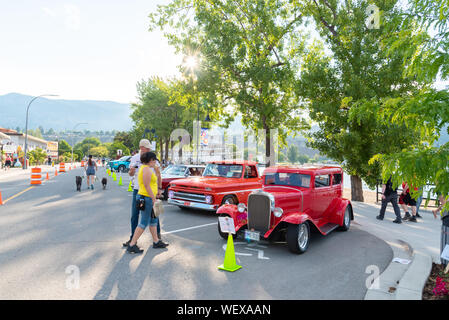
(419, 201)
(390, 195)
(7, 163)
(90, 172)
(148, 189)
(406, 200)
(442, 201)
(444, 225)
(134, 166)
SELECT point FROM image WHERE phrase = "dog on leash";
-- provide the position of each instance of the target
(78, 181)
(104, 182)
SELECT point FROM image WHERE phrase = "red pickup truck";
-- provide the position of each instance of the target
(222, 182)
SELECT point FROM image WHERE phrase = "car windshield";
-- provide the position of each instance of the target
(223, 170)
(175, 170)
(123, 158)
(287, 179)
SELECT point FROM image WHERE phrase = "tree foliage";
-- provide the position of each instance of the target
(355, 74)
(37, 156)
(428, 110)
(248, 53)
(156, 115)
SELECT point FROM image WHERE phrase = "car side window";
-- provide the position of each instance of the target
(250, 172)
(322, 181)
(336, 179)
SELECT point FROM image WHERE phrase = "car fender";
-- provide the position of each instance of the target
(339, 211)
(296, 218)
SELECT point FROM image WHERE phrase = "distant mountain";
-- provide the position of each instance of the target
(63, 114)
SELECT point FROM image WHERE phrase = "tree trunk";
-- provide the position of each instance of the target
(167, 141)
(356, 189)
(162, 149)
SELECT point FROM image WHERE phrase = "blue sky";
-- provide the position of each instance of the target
(81, 49)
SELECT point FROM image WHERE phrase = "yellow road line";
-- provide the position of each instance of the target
(14, 196)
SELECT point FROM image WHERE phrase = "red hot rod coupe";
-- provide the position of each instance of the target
(292, 202)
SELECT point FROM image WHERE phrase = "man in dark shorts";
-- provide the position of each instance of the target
(389, 195)
(407, 200)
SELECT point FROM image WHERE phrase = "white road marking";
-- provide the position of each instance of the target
(190, 228)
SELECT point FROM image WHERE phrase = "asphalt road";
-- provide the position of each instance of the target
(50, 233)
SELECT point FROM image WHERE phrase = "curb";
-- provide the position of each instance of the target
(402, 282)
(412, 283)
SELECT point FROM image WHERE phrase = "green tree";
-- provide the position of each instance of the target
(35, 133)
(100, 151)
(87, 144)
(117, 145)
(293, 154)
(427, 57)
(64, 147)
(125, 138)
(37, 156)
(356, 74)
(155, 111)
(247, 58)
(302, 158)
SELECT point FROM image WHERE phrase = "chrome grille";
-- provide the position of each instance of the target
(259, 212)
(190, 196)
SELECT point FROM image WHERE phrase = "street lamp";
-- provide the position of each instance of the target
(72, 135)
(207, 119)
(26, 126)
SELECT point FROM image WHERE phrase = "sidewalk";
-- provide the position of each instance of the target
(17, 173)
(418, 242)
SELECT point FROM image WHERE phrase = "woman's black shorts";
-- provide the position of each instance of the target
(408, 200)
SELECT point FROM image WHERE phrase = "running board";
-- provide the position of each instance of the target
(328, 227)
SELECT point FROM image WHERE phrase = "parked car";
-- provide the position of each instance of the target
(179, 171)
(292, 202)
(121, 165)
(223, 182)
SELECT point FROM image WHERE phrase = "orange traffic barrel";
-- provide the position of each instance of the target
(36, 176)
(82, 163)
(62, 167)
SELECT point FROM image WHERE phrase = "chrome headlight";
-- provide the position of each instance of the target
(241, 207)
(209, 199)
(171, 194)
(278, 212)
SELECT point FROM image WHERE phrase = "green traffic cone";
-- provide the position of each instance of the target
(130, 189)
(120, 181)
(229, 263)
(114, 177)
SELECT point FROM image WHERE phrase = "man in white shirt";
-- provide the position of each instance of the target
(144, 146)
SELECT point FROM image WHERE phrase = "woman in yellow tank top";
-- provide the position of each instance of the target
(148, 189)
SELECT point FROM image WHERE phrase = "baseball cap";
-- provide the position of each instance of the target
(145, 143)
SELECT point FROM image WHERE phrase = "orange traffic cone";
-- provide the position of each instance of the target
(1, 202)
(47, 178)
(56, 172)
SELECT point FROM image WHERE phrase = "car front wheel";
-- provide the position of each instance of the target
(298, 237)
(229, 200)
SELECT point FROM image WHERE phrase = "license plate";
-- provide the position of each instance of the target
(252, 235)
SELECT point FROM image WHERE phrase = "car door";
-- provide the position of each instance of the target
(322, 195)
